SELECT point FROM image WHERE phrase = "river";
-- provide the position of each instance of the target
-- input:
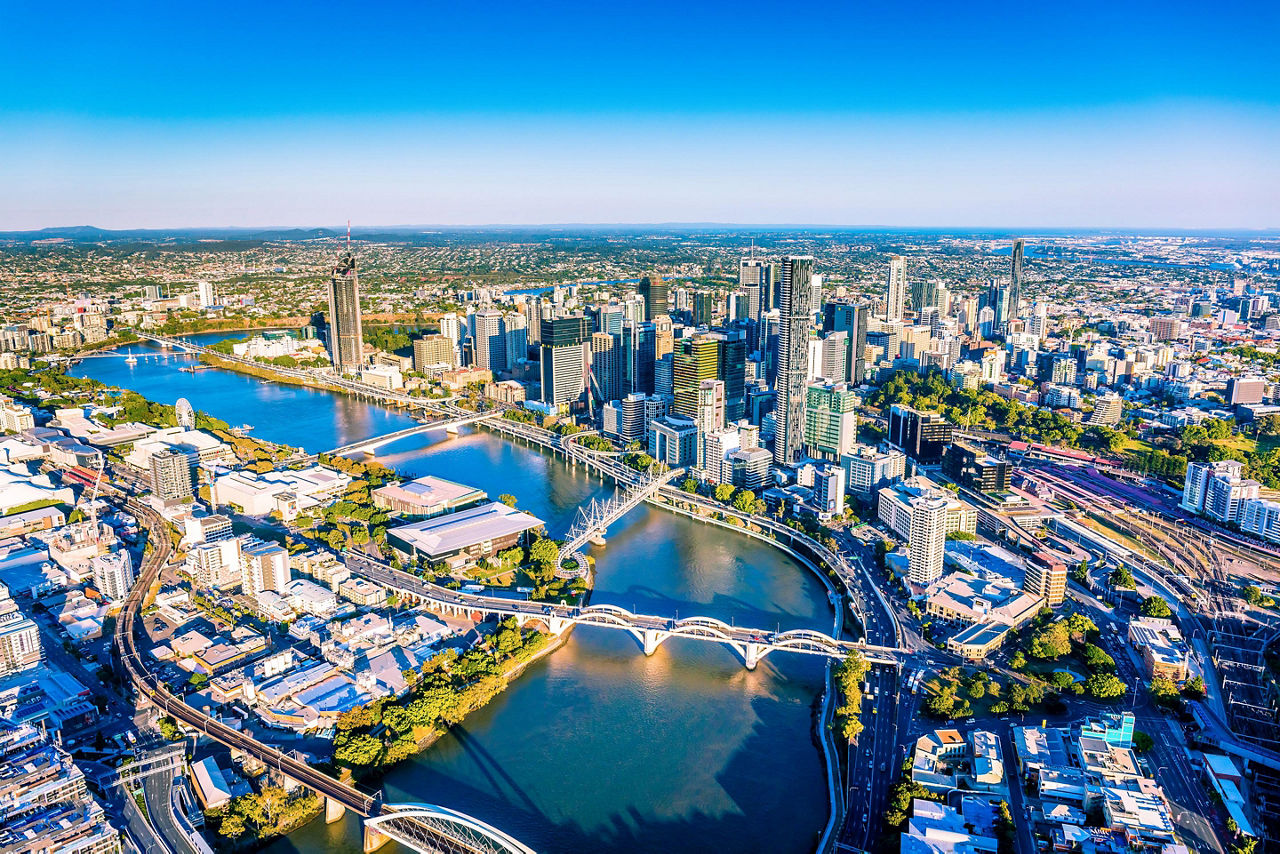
(595, 747)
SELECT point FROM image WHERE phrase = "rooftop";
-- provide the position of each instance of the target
(444, 535)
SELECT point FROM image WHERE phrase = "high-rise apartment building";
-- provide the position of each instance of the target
(263, 566)
(924, 514)
(171, 476)
(216, 565)
(206, 295)
(868, 470)
(709, 415)
(20, 646)
(896, 292)
(565, 358)
(113, 574)
(1108, 409)
(490, 341)
(346, 336)
(606, 367)
(830, 420)
(1015, 280)
(656, 296)
(793, 358)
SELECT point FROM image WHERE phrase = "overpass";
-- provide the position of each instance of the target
(446, 831)
(752, 645)
(450, 425)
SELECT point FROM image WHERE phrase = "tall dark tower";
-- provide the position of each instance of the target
(793, 357)
(1015, 280)
(656, 300)
(346, 337)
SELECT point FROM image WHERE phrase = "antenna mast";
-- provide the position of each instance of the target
(348, 235)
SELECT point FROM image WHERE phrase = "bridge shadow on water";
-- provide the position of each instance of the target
(778, 804)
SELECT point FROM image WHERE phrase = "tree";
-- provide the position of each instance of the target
(1164, 691)
(1122, 578)
(1080, 574)
(1142, 743)
(1155, 606)
(507, 499)
(1194, 688)
(1097, 659)
(357, 750)
(689, 485)
(1052, 642)
(744, 501)
(1018, 660)
(1246, 845)
(1105, 686)
(169, 728)
(724, 492)
(543, 555)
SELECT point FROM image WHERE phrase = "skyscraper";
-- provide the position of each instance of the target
(696, 359)
(656, 296)
(793, 357)
(1015, 280)
(606, 368)
(896, 293)
(639, 355)
(732, 369)
(565, 359)
(703, 307)
(490, 341)
(346, 337)
(853, 319)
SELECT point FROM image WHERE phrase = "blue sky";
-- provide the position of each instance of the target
(1083, 114)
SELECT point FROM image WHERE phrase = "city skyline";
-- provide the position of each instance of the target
(1002, 115)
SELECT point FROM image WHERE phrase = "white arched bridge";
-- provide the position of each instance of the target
(431, 829)
(751, 644)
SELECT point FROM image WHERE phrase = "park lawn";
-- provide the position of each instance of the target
(1135, 446)
(980, 708)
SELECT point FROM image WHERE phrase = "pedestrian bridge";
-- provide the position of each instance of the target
(594, 519)
(751, 644)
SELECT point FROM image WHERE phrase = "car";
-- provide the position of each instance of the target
(882, 766)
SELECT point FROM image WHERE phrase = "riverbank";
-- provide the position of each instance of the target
(264, 373)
